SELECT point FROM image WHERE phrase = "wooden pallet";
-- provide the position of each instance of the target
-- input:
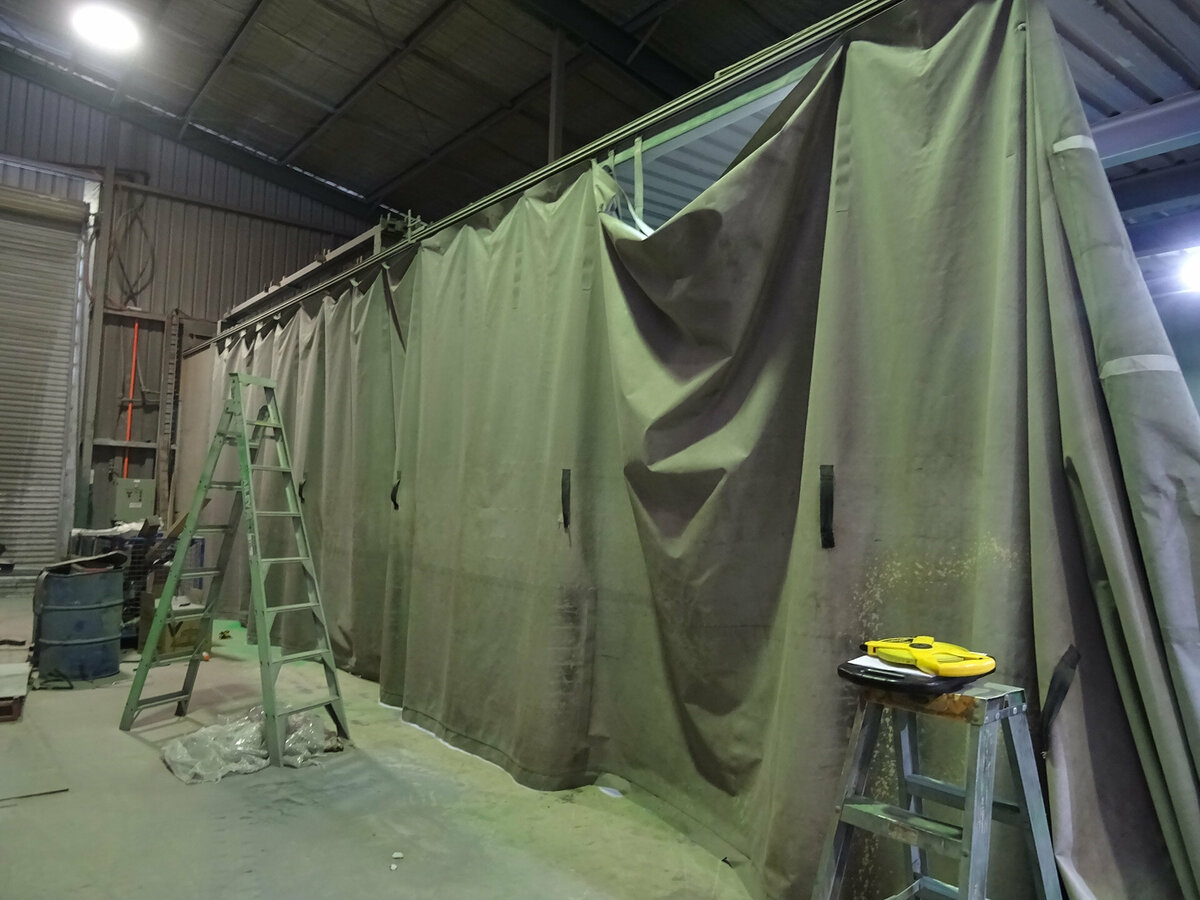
(10, 708)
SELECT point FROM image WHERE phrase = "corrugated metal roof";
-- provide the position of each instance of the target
(707, 35)
(304, 82)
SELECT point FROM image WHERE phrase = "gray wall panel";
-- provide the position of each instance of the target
(191, 244)
(206, 260)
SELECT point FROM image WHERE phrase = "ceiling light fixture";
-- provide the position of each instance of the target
(106, 27)
(1189, 271)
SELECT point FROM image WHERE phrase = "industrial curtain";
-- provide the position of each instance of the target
(333, 362)
(565, 478)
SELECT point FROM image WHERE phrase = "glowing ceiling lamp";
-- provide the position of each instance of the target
(105, 27)
(1189, 271)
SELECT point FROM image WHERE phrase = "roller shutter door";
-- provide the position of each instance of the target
(40, 251)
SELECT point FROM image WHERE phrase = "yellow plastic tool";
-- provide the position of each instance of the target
(932, 656)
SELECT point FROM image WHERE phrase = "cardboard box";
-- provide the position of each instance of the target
(176, 637)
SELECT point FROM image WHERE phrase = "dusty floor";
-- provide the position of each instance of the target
(126, 828)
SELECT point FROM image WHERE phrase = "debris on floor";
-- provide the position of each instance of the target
(14, 682)
(238, 746)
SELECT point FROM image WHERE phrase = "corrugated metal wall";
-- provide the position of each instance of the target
(42, 125)
(206, 259)
(200, 260)
(221, 237)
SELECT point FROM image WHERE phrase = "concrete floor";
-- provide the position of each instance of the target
(127, 828)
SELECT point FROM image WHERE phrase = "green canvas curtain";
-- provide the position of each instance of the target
(563, 477)
(333, 363)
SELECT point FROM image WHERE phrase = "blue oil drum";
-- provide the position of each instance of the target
(79, 624)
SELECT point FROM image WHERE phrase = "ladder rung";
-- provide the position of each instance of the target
(224, 485)
(264, 423)
(213, 529)
(257, 468)
(305, 707)
(278, 513)
(290, 607)
(947, 794)
(198, 573)
(283, 559)
(902, 825)
(172, 658)
(186, 616)
(931, 887)
(912, 892)
(259, 380)
(299, 657)
(172, 697)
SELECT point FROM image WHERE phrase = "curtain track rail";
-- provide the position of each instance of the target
(781, 53)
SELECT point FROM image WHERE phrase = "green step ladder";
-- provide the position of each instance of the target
(988, 710)
(249, 436)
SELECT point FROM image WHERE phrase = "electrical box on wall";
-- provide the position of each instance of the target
(134, 499)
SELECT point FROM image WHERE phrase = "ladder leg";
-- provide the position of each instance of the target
(977, 810)
(908, 762)
(1033, 811)
(336, 707)
(163, 610)
(832, 868)
(258, 595)
(337, 711)
(189, 678)
(210, 606)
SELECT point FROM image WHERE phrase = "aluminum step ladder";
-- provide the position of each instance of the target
(988, 710)
(248, 436)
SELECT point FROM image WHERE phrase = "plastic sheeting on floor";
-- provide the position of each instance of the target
(564, 478)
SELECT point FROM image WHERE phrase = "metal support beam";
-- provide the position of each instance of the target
(231, 48)
(134, 187)
(1162, 190)
(356, 246)
(93, 92)
(398, 55)
(800, 48)
(557, 95)
(95, 334)
(488, 89)
(652, 12)
(1170, 125)
(156, 20)
(615, 44)
(435, 156)
(1180, 232)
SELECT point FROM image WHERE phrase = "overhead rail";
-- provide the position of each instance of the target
(810, 41)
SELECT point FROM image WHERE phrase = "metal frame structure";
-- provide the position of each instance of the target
(623, 49)
(735, 82)
(625, 46)
(402, 51)
(226, 56)
(988, 710)
(1162, 128)
(1133, 136)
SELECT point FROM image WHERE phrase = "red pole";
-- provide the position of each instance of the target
(129, 408)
